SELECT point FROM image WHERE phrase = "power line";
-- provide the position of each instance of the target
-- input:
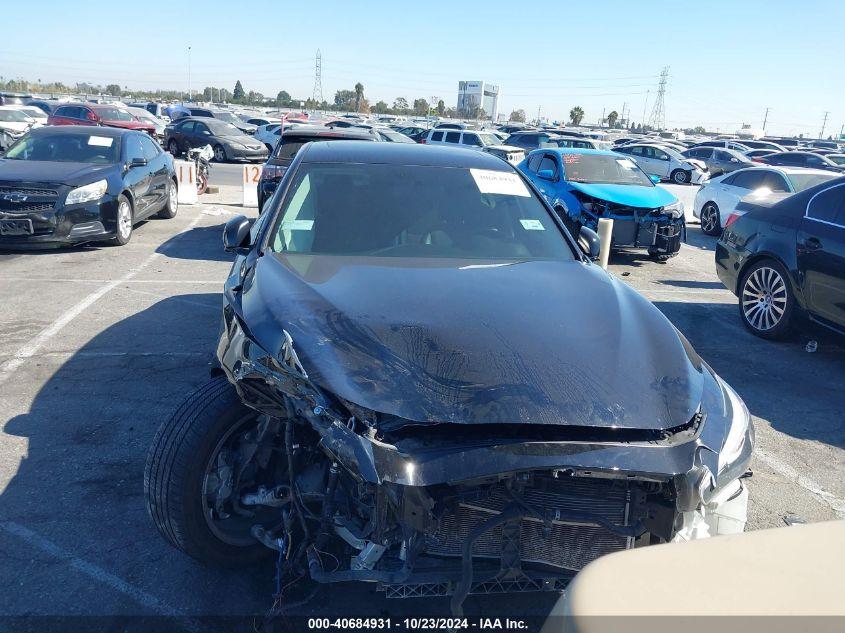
(318, 79)
(658, 113)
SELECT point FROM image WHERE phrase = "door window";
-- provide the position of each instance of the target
(453, 137)
(548, 163)
(828, 206)
(133, 148)
(187, 127)
(659, 154)
(534, 162)
(201, 128)
(749, 180)
(471, 139)
(639, 150)
(437, 136)
(775, 182)
(723, 157)
(151, 150)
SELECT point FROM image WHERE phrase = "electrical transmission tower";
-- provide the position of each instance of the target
(657, 120)
(318, 80)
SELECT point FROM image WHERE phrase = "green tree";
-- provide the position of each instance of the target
(113, 90)
(699, 130)
(400, 105)
(359, 95)
(612, 118)
(381, 107)
(420, 107)
(441, 108)
(238, 92)
(518, 116)
(576, 114)
(223, 95)
(283, 98)
(344, 100)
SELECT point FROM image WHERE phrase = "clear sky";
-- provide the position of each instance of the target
(729, 59)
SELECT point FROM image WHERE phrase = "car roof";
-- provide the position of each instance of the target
(578, 150)
(112, 132)
(788, 171)
(402, 154)
(329, 133)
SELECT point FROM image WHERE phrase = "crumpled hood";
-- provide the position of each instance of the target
(427, 340)
(51, 171)
(644, 197)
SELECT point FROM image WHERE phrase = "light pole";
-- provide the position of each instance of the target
(189, 73)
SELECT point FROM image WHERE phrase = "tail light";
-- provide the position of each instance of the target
(272, 172)
(733, 217)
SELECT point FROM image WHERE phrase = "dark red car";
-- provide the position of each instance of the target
(97, 114)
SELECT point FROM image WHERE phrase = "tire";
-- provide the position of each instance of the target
(202, 182)
(766, 300)
(711, 222)
(171, 207)
(680, 177)
(660, 257)
(174, 474)
(173, 147)
(124, 222)
(219, 154)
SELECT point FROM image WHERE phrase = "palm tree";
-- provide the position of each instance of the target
(612, 118)
(576, 114)
(359, 94)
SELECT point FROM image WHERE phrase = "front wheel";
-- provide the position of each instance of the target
(766, 300)
(196, 472)
(680, 177)
(173, 147)
(124, 221)
(219, 154)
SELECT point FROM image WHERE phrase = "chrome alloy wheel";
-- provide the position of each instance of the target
(124, 220)
(173, 195)
(709, 218)
(764, 298)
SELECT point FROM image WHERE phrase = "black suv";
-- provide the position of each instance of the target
(289, 144)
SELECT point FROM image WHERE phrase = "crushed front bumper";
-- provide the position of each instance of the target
(663, 235)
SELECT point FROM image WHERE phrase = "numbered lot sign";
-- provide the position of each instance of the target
(252, 174)
(186, 174)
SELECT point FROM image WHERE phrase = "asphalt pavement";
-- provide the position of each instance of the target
(99, 344)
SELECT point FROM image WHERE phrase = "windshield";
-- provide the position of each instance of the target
(35, 113)
(67, 148)
(14, 116)
(221, 128)
(228, 117)
(489, 139)
(386, 210)
(114, 114)
(839, 159)
(603, 169)
(800, 182)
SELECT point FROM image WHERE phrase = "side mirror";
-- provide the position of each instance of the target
(589, 242)
(546, 174)
(236, 235)
(734, 160)
(655, 179)
(138, 162)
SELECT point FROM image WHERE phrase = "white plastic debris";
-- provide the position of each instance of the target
(812, 346)
(217, 211)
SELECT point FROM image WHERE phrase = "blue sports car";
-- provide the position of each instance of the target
(584, 185)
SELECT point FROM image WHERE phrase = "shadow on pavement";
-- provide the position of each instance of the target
(799, 393)
(200, 242)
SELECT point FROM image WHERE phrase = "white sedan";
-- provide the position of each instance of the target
(665, 162)
(717, 198)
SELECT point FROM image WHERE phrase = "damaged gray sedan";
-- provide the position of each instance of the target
(426, 383)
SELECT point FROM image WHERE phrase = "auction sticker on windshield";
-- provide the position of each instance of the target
(532, 225)
(100, 141)
(489, 181)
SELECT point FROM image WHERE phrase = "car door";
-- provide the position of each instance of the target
(662, 161)
(157, 165)
(200, 136)
(453, 138)
(821, 255)
(549, 188)
(726, 161)
(735, 187)
(137, 179)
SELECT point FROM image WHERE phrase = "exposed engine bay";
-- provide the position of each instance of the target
(345, 494)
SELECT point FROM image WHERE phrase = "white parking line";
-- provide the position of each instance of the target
(785, 470)
(97, 573)
(164, 282)
(34, 346)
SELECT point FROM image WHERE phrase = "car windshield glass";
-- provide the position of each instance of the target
(13, 116)
(839, 159)
(800, 182)
(221, 128)
(599, 168)
(114, 114)
(383, 210)
(489, 139)
(395, 137)
(67, 148)
(228, 117)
